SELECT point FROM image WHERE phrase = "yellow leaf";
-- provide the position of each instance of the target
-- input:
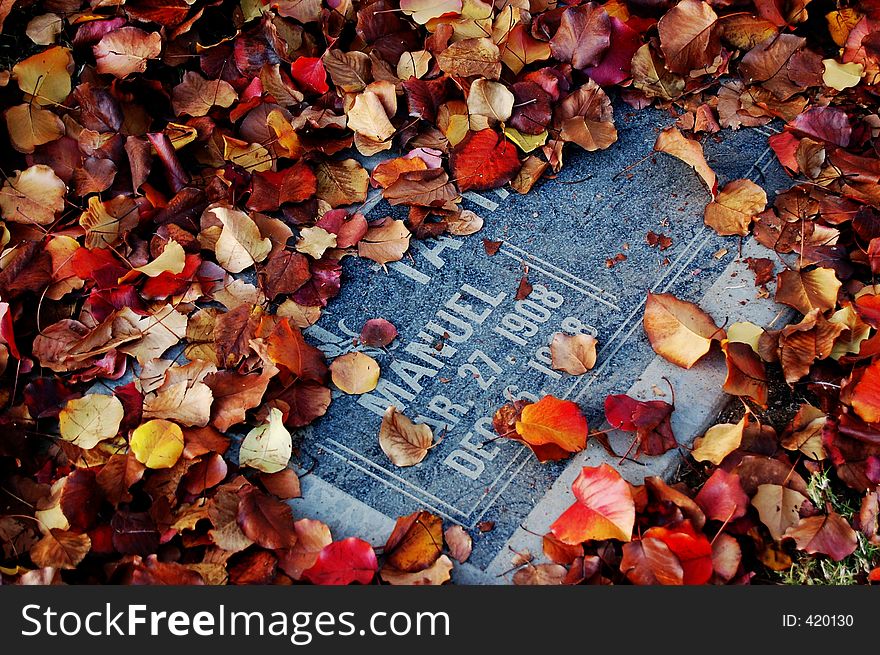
(171, 260)
(30, 125)
(45, 76)
(525, 142)
(157, 444)
(314, 241)
(842, 76)
(91, 419)
(268, 447)
(719, 441)
(368, 118)
(413, 64)
(252, 157)
(745, 332)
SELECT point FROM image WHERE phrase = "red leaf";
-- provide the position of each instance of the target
(484, 161)
(650, 420)
(692, 549)
(344, 562)
(722, 497)
(309, 73)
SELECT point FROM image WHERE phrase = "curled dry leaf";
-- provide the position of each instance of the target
(673, 142)
(267, 447)
(540, 575)
(603, 508)
(574, 354)
(89, 420)
(415, 543)
(678, 330)
(459, 543)
(355, 373)
(314, 241)
(438, 573)
(240, 243)
(404, 442)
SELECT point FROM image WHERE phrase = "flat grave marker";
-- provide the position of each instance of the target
(466, 345)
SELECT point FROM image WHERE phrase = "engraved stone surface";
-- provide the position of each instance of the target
(466, 345)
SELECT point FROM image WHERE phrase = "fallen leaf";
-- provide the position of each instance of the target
(33, 195)
(89, 420)
(267, 447)
(733, 210)
(343, 562)
(415, 543)
(806, 291)
(355, 373)
(674, 143)
(459, 543)
(61, 549)
(779, 508)
(436, 574)
(552, 421)
(385, 241)
(157, 444)
(126, 51)
(604, 508)
(678, 330)
(404, 442)
(828, 535)
(722, 497)
(265, 520)
(719, 441)
(689, 36)
(378, 333)
(574, 354)
(490, 99)
(484, 161)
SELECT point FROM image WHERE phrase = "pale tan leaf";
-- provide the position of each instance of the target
(406, 443)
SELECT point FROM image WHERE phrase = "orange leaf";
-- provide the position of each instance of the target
(553, 421)
(678, 330)
(604, 508)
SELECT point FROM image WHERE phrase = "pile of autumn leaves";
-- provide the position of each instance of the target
(189, 193)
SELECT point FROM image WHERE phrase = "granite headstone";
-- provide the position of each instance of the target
(466, 344)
